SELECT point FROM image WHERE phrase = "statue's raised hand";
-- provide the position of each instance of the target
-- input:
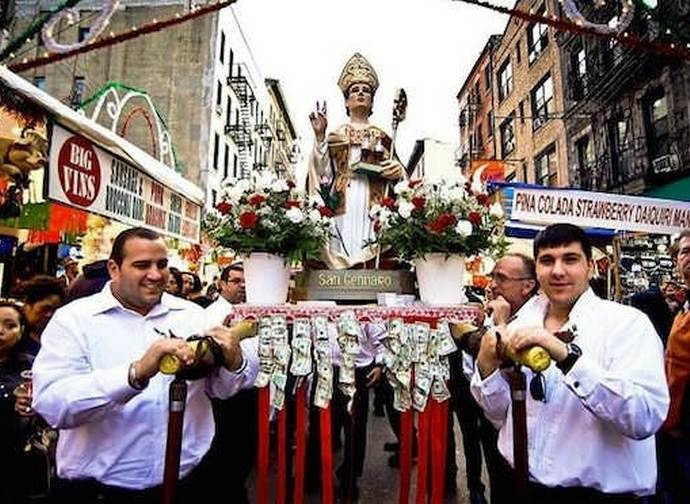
(319, 122)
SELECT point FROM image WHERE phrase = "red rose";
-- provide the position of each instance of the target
(442, 222)
(291, 184)
(483, 199)
(475, 218)
(388, 202)
(224, 207)
(248, 220)
(415, 183)
(256, 199)
(325, 211)
(418, 202)
(292, 204)
(377, 226)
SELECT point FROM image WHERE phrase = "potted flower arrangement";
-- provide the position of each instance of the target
(272, 224)
(435, 225)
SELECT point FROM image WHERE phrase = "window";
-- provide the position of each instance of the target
(578, 62)
(656, 119)
(487, 77)
(234, 165)
(478, 139)
(78, 90)
(508, 135)
(477, 94)
(216, 147)
(521, 109)
(505, 80)
(219, 94)
(228, 112)
(542, 102)
(226, 161)
(490, 124)
(524, 172)
(222, 47)
(546, 167)
(584, 156)
(84, 33)
(214, 198)
(518, 56)
(40, 82)
(230, 62)
(537, 39)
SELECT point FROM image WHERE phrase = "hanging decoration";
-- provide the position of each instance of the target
(671, 50)
(114, 39)
(111, 104)
(33, 28)
(71, 16)
(618, 25)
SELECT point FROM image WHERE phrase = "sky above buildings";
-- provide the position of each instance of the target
(426, 47)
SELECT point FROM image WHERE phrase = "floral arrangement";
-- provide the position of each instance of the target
(269, 214)
(443, 217)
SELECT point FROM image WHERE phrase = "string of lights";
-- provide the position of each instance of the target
(673, 50)
(113, 39)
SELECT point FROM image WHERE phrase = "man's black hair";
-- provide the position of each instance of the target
(557, 235)
(225, 274)
(118, 250)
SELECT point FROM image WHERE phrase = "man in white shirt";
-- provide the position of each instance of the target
(591, 432)
(234, 456)
(96, 379)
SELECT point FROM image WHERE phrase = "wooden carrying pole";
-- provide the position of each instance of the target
(518, 396)
(171, 474)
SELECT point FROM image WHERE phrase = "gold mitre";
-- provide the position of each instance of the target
(358, 70)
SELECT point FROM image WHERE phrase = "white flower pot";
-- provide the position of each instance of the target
(266, 278)
(441, 279)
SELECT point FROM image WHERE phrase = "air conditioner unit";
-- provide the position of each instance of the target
(665, 164)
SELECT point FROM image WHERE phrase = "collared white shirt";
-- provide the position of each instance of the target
(596, 428)
(108, 430)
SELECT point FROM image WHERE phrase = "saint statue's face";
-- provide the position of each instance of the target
(359, 96)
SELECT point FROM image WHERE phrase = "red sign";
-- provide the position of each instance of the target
(79, 171)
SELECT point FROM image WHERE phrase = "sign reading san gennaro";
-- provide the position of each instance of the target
(87, 177)
(591, 209)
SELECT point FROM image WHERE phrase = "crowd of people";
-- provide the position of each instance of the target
(81, 391)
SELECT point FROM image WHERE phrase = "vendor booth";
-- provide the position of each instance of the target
(66, 180)
(631, 234)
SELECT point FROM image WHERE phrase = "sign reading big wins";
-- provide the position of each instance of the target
(87, 177)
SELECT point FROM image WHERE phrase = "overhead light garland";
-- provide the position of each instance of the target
(673, 50)
(71, 16)
(113, 39)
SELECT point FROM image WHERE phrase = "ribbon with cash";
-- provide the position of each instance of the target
(349, 337)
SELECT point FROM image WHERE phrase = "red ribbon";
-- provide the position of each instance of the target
(439, 426)
(406, 422)
(262, 448)
(326, 456)
(282, 490)
(300, 442)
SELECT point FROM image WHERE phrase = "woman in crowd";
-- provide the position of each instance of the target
(174, 285)
(41, 295)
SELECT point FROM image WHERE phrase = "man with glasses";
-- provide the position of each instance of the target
(513, 283)
(233, 456)
(591, 429)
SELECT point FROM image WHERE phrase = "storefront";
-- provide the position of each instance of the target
(65, 180)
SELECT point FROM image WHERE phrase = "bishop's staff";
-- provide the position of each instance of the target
(399, 113)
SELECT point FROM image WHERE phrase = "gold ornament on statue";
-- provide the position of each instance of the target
(358, 71)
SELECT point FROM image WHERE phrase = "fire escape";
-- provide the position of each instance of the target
(241, 131)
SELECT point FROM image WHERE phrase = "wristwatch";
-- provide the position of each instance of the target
(132, 379)
(574, 353)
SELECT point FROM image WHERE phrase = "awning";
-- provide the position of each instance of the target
(105, 138)
(678, 190)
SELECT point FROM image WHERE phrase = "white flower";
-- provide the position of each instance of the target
(405, 209)
(456, 194)
(496, 210)
(314, 215)
(279, 185)
(264, 181)
(402, 187)
(384, 216)
(295, 215)
(316, 200)
(477, 187)
(374, 211)
(463, 228)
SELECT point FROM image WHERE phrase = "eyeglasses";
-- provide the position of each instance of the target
(501, 278)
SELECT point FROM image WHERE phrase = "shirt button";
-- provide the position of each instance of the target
(576, 384)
